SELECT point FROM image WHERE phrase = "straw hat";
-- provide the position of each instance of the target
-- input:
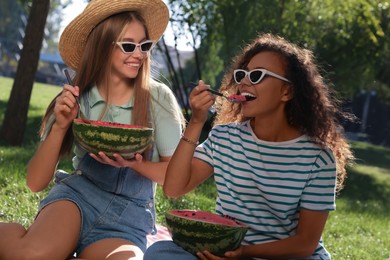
(74, 37)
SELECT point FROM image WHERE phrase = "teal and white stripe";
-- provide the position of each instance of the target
(265, 184)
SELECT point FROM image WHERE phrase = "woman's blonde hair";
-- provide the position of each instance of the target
(94, 67)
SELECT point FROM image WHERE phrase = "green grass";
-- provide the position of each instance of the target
(358, 229)
(41, 96)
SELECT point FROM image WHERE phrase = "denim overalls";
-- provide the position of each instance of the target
(114, 202)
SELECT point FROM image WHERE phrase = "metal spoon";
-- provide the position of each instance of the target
(230, 99)
(70, 82)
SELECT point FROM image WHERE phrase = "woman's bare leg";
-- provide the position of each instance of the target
(53, 235)
(112, 249)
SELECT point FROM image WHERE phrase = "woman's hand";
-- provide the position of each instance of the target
(200, 102)
(230, 255)
(66, 107)
(118, 161)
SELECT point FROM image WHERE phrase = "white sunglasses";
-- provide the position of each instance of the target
(255, 76)
(129, 47)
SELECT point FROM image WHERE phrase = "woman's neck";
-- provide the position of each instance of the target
(274, 130)
(118, 92)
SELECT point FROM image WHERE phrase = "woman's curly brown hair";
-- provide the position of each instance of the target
(314, 109)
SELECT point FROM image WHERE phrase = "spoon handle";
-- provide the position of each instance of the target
(70, 81)
(193, 84)
(215, 92)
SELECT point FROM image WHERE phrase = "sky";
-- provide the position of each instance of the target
(78, 6)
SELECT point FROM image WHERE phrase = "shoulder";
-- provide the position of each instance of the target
(324, 155)
(234, 127)
(160, 91)
(164, 102)
(231, 131)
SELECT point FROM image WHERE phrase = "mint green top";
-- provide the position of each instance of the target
(164, 110)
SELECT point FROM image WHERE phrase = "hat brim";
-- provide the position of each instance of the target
(74, 36)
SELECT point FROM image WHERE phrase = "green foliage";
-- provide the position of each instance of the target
(347, 38)
(10, 22)
(350, 38)
(13, 19)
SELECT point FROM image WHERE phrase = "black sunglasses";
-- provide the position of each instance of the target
(129, 47)
(255, 76)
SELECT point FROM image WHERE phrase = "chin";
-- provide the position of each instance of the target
(132, 74)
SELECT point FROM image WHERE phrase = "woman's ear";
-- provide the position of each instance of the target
(287, 93)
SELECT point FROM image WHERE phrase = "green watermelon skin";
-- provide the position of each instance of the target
(110, 138)
(196, 234)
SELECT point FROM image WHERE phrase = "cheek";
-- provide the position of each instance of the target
(116, 57)
(264, 94)
(270, 92)
(268, 100)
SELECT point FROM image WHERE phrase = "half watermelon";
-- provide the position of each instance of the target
(196, 230)
(126, 140)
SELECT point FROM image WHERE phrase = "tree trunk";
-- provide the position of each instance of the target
(15, 120)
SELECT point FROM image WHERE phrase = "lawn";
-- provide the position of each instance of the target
(358, 229)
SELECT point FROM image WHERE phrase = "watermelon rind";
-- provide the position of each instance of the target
(120, 139)
(198, 235)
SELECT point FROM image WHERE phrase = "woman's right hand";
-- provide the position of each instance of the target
(200, 102)
(66, 107)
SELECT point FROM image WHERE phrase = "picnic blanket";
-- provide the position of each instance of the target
(162, 234)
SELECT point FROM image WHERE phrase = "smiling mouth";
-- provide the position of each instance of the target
(133, 65)
(248, 97)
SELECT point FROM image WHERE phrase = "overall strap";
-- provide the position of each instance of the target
(86, 106)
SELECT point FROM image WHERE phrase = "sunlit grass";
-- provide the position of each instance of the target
(41, 96)
(360, 226)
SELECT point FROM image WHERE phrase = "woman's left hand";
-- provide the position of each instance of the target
(231, 255)
(118, 160)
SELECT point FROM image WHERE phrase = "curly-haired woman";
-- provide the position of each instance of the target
(277, 158)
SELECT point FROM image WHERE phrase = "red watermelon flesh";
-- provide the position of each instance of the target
(239, 98)
(205, 216)
(108, 124)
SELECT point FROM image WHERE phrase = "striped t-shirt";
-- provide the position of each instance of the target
(265, 184)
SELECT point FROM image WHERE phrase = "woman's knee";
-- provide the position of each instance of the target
(10, 238)
(167, 250)
(25, 249)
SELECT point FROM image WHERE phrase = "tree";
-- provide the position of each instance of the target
(350, 38)
(15, 119)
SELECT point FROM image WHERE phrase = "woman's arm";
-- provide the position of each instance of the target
(184, 172)
(302, 244)
(154, 171)
(42, 165)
